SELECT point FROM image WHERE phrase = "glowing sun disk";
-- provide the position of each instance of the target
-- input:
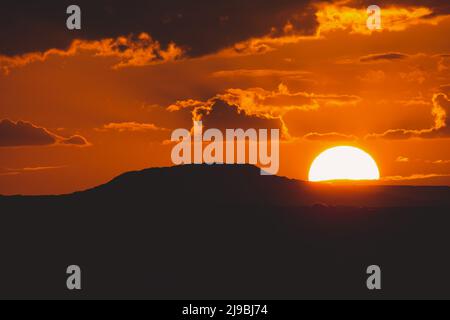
(344, 163)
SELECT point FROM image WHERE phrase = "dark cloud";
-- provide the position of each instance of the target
(224, 116)
(219, 114)
(331, 136)
(445, 88)
(202, 26)
(22, 134)
(383, 56)
(438, 7)
(441, 128)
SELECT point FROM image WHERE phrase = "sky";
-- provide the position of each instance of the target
(79, 107)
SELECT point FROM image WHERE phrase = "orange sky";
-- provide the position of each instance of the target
(107, 111)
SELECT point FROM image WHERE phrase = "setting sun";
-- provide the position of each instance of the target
(344, 163)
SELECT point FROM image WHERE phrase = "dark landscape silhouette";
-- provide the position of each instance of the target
(226, 232)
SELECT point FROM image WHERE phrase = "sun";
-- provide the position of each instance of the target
(344, 163)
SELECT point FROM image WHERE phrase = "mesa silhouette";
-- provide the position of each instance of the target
(243, 185)
(226, 232)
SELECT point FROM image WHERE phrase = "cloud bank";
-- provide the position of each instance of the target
(26, 134)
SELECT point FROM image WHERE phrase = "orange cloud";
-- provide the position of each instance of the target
(266, 104)
(198, 108)
(441, 128)
(75, 140)
(253, 73)
(414, 177)
(129, 51)
(402, 159)
(131, 126)
(331, 136)
(342, 16)
(259, 101)
(16, 171)
(262, 45)
(373, 76)
(441, 162)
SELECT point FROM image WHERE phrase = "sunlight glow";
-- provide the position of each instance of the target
(344, 163)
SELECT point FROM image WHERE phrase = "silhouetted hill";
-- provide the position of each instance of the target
(218, 184)
(243, 185)
(226, 232)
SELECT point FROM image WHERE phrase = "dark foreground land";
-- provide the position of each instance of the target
(225, 232)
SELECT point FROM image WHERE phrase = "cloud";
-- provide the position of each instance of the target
(438, 7)
(189, 103)
(223, 116)
(259, 101)
(256, 73)
(396, 16)
(436, 162)
(75, 140)
(131, 127)
(402, 159)
(331, 136)
(264, 44)
(17, 171)
(383, 57)
(202, 27)
(373, 76)
(220, 114)
(416, 75)
(181, 28)
(253, 101)
(21, 134)
(414, 102)
(263, 104)
(445, 88)
(414, 177)
(441, 162)
(330, 16)
(441, 128)
(128, 51)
